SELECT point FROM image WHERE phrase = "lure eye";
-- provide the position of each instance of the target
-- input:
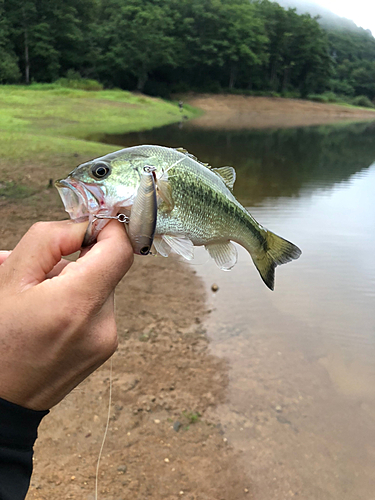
(145, 250)
(100, 170)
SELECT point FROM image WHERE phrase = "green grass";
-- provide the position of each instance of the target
(46, 119)
(14, 191)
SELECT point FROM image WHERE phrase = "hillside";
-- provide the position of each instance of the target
(327, 18)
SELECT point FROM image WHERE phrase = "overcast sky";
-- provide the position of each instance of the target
(362, 12)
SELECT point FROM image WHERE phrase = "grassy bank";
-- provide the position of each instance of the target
(44, 130)
(42, 120)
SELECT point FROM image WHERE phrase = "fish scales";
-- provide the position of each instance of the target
(195, 205)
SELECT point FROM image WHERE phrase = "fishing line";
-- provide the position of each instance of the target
(105, 432)
(174, 164)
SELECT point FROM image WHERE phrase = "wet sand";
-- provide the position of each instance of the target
(244, 112)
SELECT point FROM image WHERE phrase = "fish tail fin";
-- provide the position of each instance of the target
(275, 251)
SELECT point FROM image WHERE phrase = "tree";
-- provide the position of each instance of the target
(9, 71)
(135, 37)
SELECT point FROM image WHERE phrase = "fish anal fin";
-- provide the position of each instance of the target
(224, 254)
(181, 245)
(228, 175)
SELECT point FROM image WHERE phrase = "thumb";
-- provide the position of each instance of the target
(4, 254)
(40, 249)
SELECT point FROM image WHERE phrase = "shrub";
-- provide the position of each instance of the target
(79, 83)
(362, 100)
(317, 97)
(9, 71)
(325, 97)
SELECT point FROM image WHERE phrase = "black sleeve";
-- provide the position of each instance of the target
(18, 432)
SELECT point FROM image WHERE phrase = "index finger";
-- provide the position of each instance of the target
(100, 269)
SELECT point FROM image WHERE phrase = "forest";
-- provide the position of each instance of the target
(161, 47)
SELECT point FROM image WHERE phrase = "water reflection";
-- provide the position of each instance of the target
(275, 162)
(301, 399)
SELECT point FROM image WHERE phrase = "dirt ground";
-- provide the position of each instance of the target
(160, 444)
(164, 441)
(239, 112)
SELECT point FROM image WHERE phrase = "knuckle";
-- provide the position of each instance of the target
(40, 227)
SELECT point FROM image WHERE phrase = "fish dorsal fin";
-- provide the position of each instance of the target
(228, 174)
(182, 150)
(181, 245)
(164, 190)
(161, 247)
(185, 152)
(224, 254)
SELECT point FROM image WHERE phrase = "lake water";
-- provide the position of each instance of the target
(301, 396)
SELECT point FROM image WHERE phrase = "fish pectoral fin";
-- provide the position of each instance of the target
(224, 254)
(227, 174)
(161, 247)
(164, 190)
(181, 245)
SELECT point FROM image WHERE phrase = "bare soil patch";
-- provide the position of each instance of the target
(240, 112)
(162, 442)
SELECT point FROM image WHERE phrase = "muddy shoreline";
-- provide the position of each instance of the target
(163, 440)
(235, 112)
(160, 443)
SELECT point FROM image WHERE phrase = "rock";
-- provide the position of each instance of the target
(214, 287)
(278, 409)
(122, 468)
(177, 425)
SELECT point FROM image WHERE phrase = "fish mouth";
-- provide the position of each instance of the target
(79, 201)
(82, 202)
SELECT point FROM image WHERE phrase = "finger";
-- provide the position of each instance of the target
(41, 249)
(4, 254)
(98, 271)
(58, 268)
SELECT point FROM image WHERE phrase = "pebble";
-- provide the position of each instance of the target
(177, 425)
(214, 287)
(166, 460)
(278, 409)
(157, 421)
(122, 468)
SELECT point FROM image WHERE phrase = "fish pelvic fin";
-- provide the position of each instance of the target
(276, 251)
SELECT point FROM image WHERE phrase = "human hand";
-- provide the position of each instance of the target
(57, 321)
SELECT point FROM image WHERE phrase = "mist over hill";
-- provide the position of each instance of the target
(327, 18)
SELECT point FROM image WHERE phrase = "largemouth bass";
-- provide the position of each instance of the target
(196, 206)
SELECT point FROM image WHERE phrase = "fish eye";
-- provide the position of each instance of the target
(100, 170)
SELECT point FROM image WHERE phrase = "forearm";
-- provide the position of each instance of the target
(18, 432)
